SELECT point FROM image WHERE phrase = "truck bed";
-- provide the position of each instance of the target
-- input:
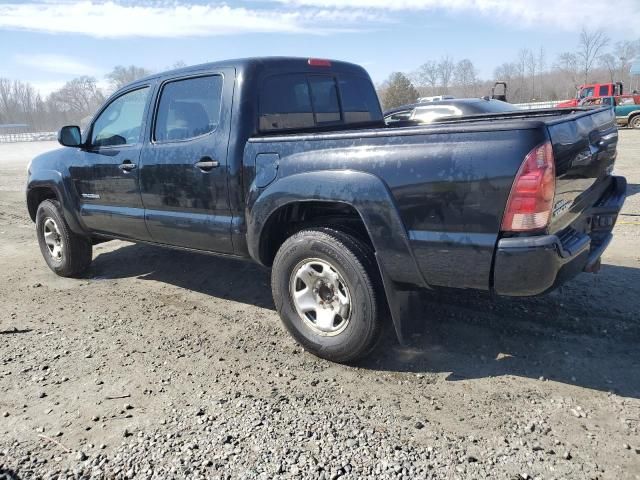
(450, 180)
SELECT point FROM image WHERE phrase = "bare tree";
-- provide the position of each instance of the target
(610, 64)
(121, 75)
(542, 66)
(623, 54)
(567, 65)
(427, 75)
(521, 90)
(532, 70)
(79, 97)
(589, 50)
(466, 77)
(506, 72)
(19, 102)
(398, 90)
(445, 72)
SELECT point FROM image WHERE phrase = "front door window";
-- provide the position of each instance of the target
(121, 122)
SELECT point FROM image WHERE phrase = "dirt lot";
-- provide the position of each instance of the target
(165, 364)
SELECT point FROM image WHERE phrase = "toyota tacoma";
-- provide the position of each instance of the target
(288, 162)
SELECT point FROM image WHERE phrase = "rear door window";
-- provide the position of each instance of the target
(603, 90)
(188, 108)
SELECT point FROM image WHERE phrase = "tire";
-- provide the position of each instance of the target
(635, 122)
(345, 268)
(66, 253)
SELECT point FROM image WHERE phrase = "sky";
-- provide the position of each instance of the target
(49, 42)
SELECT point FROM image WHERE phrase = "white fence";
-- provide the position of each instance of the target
(27, 137)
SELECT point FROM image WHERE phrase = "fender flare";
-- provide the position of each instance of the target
(373, 201)
(54, 180)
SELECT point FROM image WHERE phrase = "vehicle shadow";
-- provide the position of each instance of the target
(228, 278)
(586, 334)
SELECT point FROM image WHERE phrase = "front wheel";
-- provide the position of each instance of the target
(324, 287)
(66, 253)
(635, 122)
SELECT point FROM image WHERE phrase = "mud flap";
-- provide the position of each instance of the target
(405, 306)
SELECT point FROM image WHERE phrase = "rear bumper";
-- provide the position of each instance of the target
(526, 266)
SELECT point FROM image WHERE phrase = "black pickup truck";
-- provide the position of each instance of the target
(288, 162)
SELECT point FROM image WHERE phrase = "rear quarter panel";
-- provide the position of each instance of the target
(449, 187)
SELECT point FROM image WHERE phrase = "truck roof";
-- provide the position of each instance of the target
(258, 64)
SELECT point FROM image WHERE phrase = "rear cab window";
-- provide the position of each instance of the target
(306, 101)
(324, 100)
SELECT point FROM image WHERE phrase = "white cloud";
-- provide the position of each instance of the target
(57, 64)
(112, 19)
(190, 18)
(563, 14)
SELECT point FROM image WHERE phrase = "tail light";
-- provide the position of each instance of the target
(531, 198)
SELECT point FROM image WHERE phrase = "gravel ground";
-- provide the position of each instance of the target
(164, 364)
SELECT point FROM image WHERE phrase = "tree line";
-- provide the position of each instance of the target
(530, 77)
(73, 104)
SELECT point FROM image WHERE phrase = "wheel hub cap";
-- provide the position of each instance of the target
(325, 292)
(53, 239)
(321, 296)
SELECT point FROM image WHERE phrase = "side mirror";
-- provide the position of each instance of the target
(70, 136)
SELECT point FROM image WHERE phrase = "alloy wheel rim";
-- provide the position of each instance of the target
(321, 296)
(53, 239)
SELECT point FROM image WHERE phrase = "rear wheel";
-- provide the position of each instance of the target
(635, 122)
(324, 287)
(66, 253)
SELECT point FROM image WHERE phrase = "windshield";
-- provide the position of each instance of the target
(586, 92)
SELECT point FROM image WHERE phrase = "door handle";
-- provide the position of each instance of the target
(206, 163)
(127, 166)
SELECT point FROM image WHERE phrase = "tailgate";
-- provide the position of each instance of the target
(584, 148)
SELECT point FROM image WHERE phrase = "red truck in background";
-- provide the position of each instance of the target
(593, 90)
